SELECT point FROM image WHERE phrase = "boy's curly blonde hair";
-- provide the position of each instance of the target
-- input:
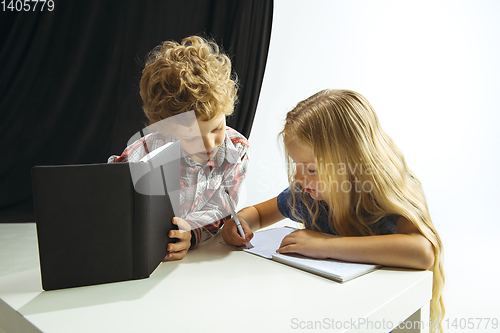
(193, 75)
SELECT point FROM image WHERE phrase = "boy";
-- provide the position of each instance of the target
(194, 76)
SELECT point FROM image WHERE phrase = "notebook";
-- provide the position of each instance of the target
(266, 242)
(101, 223)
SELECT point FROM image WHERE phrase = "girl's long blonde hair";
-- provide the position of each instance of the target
(363, 173)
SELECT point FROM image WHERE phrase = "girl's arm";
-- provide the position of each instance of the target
(408, 248)
(252, 218)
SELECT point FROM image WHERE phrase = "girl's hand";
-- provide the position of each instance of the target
(306, 242)
(231, 235)
(179, 249)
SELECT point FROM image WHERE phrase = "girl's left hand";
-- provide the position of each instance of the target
(306, 242)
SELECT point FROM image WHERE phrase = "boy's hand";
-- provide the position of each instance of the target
(231, 235)
(179, 249)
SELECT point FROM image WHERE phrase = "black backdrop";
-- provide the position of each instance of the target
(69, 78)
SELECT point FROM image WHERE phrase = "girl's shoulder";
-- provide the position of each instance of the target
(297, 210)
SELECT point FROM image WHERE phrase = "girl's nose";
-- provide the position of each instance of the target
(299, 177)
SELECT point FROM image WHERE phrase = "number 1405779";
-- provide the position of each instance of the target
(27, 5)
(470, 323)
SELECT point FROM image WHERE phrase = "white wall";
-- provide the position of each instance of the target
(431, 69)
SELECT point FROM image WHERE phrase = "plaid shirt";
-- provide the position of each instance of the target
(202, 201)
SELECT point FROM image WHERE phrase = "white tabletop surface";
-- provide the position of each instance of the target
(213, 289)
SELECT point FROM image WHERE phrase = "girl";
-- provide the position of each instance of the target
(348, 178)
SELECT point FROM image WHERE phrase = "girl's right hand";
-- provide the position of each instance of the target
(231, 235)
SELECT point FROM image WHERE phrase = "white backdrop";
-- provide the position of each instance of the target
(431, 69)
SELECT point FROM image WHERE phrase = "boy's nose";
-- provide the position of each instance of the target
(209, 143)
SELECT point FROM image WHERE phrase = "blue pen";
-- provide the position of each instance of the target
(235, 217)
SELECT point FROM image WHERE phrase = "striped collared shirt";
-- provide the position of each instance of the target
(202, 201)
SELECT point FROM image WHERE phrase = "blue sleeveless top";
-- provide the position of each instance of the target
(385, 226)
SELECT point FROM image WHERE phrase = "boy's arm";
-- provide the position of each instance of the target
(140, 148)
(207, 222)
(202, 230)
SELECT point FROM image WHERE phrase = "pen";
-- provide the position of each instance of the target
(235, 217)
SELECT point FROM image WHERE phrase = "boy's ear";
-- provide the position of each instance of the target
(153, 128)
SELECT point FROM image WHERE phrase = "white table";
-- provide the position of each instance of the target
(213, 289)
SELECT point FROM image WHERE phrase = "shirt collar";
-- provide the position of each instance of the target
(227, 151)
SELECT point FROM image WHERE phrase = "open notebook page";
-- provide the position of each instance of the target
(266, 242)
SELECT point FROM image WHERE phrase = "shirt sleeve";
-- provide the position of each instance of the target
(139, 148)
(284, 199)
(386, 225)
(217, 209)
(202, 222)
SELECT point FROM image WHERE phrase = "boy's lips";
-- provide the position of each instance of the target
(208, 153)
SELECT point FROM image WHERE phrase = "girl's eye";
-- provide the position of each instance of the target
(311, 168)
(218, 129)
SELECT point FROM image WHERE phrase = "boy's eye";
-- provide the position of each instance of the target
(218, 129)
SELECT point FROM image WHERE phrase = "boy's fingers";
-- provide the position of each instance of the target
(179, 246)
(175, 255)
(175, 234)
(179, 249)
(182, 224)
(182, 235)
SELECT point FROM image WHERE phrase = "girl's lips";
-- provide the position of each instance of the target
(309, 190)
